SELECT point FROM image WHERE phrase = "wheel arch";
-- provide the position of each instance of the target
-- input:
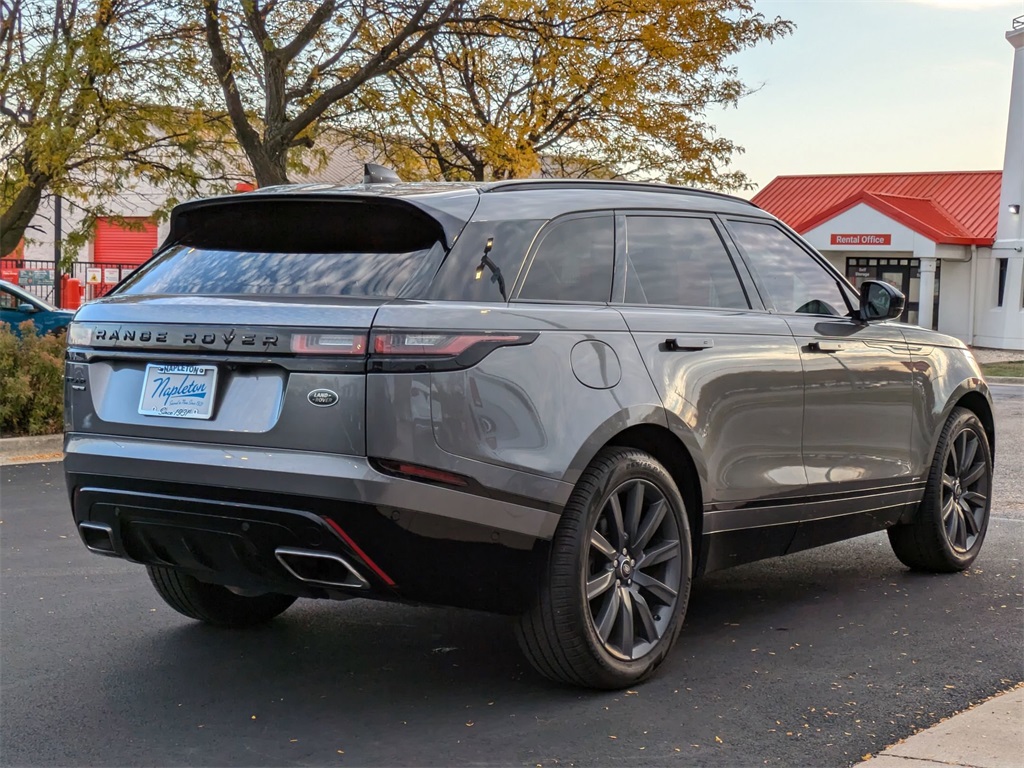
(677, 458)
(670, 452)
(981, 407)
(973, 395)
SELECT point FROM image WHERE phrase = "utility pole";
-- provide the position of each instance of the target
(56, 250)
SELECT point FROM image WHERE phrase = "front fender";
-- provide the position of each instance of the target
(976, 392)
(944, 374)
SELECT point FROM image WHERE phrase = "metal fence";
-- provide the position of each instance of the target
(83, 282)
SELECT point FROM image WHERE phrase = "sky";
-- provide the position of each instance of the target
(875, 85)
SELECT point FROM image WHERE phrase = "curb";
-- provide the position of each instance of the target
(1005, 379)
(26, 450)
(989, 735)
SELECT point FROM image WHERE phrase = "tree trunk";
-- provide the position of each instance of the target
(15, 220)
(268, 163)
(269, 170)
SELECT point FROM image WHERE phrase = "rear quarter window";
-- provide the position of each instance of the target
(574, 261)
(466, 276)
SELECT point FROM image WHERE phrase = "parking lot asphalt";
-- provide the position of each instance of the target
(820, 658)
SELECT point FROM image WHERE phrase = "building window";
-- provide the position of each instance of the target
(1001, 285)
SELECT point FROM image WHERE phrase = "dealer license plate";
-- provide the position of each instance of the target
(179, 391)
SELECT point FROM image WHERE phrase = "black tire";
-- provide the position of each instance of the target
(592, 641)
(947, 533)
(212, 603)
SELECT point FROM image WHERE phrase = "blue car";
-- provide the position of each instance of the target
(17, 306)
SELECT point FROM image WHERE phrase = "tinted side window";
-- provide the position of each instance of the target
(679, 262)
(574, 262)
(796, 283)
(465, 276)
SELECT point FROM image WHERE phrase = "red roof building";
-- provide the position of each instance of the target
(932, 235)
(954, 208)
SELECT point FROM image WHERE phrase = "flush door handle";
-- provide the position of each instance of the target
(825, 346)
(688, 345)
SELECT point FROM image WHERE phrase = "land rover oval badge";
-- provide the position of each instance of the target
(322, 398)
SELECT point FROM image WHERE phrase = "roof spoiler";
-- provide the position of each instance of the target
(379, 174)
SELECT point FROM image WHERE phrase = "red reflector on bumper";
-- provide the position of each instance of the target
(417, 472)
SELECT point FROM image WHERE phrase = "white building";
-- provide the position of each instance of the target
(952, 242)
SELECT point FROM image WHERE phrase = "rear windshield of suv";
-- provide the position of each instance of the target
(256, 244)
(187, 270)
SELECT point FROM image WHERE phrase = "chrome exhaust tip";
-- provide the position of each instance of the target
(324, 568)
(98, 538)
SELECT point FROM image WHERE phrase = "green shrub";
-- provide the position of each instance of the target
(31, 382)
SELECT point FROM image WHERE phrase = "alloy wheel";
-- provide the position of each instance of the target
(633, 570)
(965, 490)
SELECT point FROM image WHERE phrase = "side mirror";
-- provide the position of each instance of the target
(27, 309)
(880, 301)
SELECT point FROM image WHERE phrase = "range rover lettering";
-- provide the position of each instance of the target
(558, 400)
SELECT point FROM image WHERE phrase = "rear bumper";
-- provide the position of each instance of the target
(225, 514)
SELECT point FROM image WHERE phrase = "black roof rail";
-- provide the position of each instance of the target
(640, 186)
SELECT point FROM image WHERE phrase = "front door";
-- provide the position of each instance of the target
(857, 386)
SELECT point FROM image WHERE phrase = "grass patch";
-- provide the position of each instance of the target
(1009, 368)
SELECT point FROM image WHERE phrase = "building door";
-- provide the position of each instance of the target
(117, 244)
(904, 274)
(118, 250)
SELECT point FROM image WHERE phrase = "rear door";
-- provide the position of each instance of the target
(727, 371)
(857, 381)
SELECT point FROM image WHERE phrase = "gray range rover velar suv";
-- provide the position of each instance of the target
(561, 400)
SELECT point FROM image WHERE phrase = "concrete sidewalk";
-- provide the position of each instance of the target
(990, 735)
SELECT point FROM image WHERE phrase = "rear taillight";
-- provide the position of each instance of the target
(395, 351)
(434, 344)
(329, 343)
